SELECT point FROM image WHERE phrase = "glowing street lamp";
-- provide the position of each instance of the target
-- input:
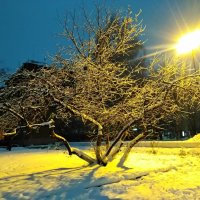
(188, 42)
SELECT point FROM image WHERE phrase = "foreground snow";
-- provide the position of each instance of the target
(149, 173)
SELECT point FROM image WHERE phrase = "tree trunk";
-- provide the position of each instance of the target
(120, 135)
(86, 117)
(129, 147)
(75, 151)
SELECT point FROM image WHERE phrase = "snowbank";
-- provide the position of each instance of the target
(193, 142)
(196, 138)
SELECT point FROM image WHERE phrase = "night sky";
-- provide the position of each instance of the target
(29, 28)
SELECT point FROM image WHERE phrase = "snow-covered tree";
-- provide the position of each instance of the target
(97, 85)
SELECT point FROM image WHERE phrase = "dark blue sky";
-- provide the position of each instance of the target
(29, 28)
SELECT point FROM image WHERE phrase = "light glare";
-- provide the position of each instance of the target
(188, 42)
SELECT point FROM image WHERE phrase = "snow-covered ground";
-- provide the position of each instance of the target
(149, 173)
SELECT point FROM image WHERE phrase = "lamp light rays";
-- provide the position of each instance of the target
(184, 17)
(188, 42)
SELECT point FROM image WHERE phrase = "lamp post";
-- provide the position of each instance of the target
(190, 43)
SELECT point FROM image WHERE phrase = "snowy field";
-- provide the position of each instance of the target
(149, 173)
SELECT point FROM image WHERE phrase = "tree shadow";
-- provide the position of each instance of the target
(60, 183)
(44, 173)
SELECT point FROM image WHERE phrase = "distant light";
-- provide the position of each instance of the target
(188, 42)
(183, 133)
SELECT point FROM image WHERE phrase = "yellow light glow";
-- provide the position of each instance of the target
(188, 42)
